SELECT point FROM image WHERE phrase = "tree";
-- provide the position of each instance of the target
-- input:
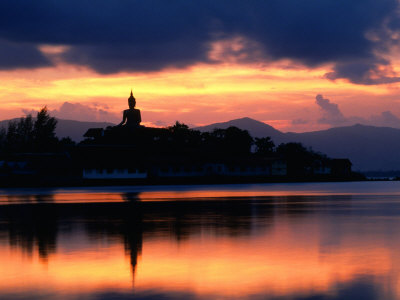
(44, 136)
(27, 134)
(264, 146)
(183, 138)
(18, 136)
(3, 138)
(178, 127)
(229, 141)
(300, 159)
(11, 136)
(238, 140)
(24, 132)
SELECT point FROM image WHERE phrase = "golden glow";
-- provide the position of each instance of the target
(287, 259)
(163, 194)
(87, 270)
(62, 197)
(278, 263)
(200, 94)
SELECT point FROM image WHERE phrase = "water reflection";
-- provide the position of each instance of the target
(280, 247)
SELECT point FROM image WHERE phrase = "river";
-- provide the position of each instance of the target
(250, 241)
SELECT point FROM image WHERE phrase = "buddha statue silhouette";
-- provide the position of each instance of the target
(131, 117)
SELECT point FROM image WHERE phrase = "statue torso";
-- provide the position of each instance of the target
(133, 117)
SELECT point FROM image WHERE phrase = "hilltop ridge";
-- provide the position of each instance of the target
(368, 147)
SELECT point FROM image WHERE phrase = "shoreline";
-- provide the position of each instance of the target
(47, 182)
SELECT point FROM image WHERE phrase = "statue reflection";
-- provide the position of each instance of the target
(133, 241)
(131, 197)
(132, 230)
(41, 226)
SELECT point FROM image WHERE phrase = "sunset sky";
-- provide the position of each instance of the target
(298, 65)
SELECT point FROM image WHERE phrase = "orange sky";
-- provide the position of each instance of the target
(202, 94)
(193, 64)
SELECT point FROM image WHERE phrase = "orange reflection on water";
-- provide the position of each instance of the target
(187, 193)
(85, 270)
(84, 197)
(61, 197)
(220, 194)
(289, 257)
(279, 263)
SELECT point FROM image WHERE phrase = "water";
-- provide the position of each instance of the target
(264, 241)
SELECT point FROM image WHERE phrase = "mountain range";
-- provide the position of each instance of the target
(369, 148)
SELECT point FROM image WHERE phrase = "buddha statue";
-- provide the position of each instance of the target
(131, 117)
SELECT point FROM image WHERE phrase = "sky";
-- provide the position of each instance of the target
(298, 65)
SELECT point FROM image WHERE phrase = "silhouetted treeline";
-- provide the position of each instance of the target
(29, 147)
(180, 139)
(32, 135)
(38, 135)
(300, 159)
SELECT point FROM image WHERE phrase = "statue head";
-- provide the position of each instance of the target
(131, 101)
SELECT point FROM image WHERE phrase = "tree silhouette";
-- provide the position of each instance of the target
(29, 135)
(182, 139)
(300, 160)
(44, 131)
(178, 127)
(3, 138)
(19, 135)
(264, 146)
(231, 140)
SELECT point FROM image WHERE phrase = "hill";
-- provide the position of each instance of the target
(254, 127)
(74, 129)
(368, 147)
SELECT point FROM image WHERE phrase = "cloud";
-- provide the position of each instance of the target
(330, 111)
(386, 118)
(135, 35)
(160, 123)
(299, 121)
(110, 59)
(81, 112)
(21, 55)
(332, 115)
(367, 72)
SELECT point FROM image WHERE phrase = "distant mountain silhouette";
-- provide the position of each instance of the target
(74, 129)
(254, 127)
(368, 147)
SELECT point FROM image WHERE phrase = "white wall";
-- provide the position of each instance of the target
(112, 174)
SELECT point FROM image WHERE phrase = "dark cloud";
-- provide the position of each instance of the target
(137, 35)
(366, 72)
(21, 55)
(106, 59)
